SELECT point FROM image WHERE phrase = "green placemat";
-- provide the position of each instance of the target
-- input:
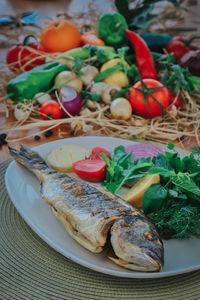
(30, 269)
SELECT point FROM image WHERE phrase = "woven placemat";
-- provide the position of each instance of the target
(30, 269)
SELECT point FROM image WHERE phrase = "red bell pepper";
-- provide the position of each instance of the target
(21, 56)
(144, 59)
(180, 46)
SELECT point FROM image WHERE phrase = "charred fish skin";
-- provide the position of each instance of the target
(89, 213)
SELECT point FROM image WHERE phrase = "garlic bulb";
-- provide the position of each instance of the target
(21, 113)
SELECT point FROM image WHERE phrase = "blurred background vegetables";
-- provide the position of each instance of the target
(141, 15)
(179, 46)
(20, 55)
(101, 81)
(191, 61)
(59, 36)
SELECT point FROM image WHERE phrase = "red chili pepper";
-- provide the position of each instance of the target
(144, 59)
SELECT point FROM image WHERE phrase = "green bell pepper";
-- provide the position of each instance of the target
(39, 79)
(110, 27)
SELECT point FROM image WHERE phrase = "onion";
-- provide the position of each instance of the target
(143, 150)
(68, 78)
(70, 99)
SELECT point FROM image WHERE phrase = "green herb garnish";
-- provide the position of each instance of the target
(121, 168)
(173, 205)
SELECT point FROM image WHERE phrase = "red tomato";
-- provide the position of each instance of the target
(178, 103)
(20, 56)
(179, 47)
(97, 151)
(137, 100)
(90, 170)
(50, 109)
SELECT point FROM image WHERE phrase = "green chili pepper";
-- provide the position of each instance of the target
(87, 51)
(81, 52)
(110, 27)
(39, 79)
(102, 75)
(107, 50)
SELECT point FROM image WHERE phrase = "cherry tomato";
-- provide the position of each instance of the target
(90, 170)
(178, 103)
(179, 47)
(137, 100)
(95, 154)
(20, 56)
(50, 109)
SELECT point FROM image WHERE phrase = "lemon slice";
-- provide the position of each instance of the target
(136, 193)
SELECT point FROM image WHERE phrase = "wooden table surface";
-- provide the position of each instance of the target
(49, 9)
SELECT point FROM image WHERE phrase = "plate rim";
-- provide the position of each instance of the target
(116, 273)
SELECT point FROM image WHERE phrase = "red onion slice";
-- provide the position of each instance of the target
(144, 150)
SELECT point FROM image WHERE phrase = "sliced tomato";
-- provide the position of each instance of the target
(90, 170)
(95, 154)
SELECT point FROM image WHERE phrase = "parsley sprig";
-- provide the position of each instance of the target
(121, 168)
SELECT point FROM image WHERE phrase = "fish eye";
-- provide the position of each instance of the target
(149, 236)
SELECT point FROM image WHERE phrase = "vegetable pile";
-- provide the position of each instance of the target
(107, 79)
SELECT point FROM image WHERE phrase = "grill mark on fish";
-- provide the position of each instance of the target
(89, 212)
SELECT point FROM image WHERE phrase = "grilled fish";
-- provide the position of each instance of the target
(89, 213)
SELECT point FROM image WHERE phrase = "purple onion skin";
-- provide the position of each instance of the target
(191, 61)
(71, 100)
(143, 150)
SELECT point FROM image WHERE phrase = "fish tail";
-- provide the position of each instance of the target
(31, 160)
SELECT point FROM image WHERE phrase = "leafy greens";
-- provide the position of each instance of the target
(173, 205)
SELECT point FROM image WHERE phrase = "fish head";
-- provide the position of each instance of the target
(136, 244)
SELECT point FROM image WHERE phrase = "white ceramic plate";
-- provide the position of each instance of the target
(24, 191)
